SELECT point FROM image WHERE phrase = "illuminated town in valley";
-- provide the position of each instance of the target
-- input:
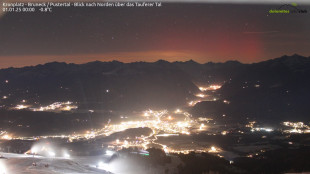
(163, 128)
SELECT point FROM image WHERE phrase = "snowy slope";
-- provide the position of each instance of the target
(22, 164)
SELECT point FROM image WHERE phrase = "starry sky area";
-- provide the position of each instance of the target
(174, 32)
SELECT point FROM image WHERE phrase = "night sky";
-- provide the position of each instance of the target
(174, 32)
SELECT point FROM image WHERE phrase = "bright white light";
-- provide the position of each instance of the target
(213, 149)
(200, 95)
(2, 168)
(295, 131)
(177, 111)
(6, 137)
(193, 103)
(66, 155)
(34, 150)
(202, 89)
(67, 106)
(215, 87)
(262, 129)
(104, 166)
(126, 143)
(109, 152)
(100, 164)
(201, 126)
(89, 135)
(224, 132)
(226, 101)
(52, 154)
(21, 107)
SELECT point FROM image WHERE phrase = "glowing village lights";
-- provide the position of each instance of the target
(184, 132)
(126, 143)
(90, 135)
(224, 132)
(204, 119)
(57, 106)
(268, 129)
(202, 89)
(226, 101)
(201, 95)
(157, 121)
(214, 87)
(6, 137)
(295, 131)
(67, 108)
(258, 129)
(296, 127)
(201, 126)
(177, 111)
(251, 124)
(193, 103)
(18, 107)
(4, 97)
(213, 150)
(295, 124)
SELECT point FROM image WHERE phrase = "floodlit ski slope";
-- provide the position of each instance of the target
(22, 164)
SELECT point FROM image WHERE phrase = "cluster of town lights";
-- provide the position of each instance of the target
(57, 106)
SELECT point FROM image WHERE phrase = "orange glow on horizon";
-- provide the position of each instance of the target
(126, 57)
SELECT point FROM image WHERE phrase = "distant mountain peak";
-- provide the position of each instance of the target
(161, 61)
(192, 61)
(233, 62)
